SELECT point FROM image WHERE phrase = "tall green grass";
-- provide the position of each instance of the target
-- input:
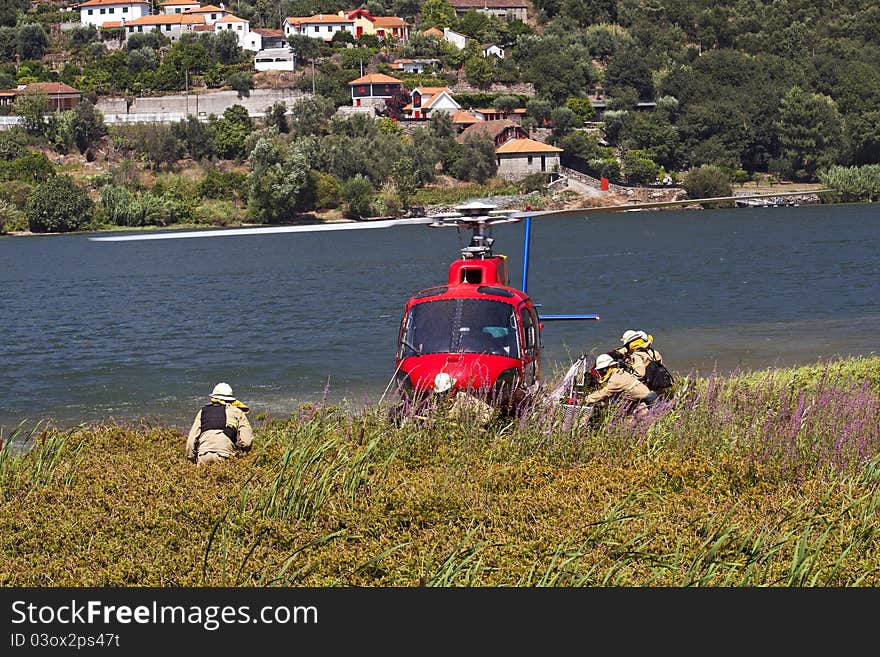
(767, 478)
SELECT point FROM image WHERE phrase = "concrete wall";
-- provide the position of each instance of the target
(197, 103)
(516, 167)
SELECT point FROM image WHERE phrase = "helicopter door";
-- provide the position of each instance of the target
(531, 343)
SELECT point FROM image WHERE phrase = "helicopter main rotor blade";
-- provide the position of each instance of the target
(262, 230)
(656, 205)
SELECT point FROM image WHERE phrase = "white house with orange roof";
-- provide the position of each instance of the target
(169, 25)
(426, 101)
(373, 90)
(176, 6)
(242, 29)
(519, 158)
(98, 12)
(211, 13)
(319, 26)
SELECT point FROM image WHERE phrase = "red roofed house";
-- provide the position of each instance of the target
(61, 96)
(425, 101)
(169, 25)
(211, 13)
(499, 131)
(518, 158)
(373, 90)
(99, 12)
(319, 26)
(384, 27)
(242, 29)
(462, 119)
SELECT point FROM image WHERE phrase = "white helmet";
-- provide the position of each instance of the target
(629, 336)
(223, 392)
(603, 361)
(443, 382)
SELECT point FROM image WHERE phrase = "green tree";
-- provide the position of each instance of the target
(406, 180)
(638, 168)
(241, 82)
(231, 132)
(810, 133)
(31, 167)
(357, 193)
(563, 121)
(506, 103)
(310, 115)
(305, 48)
(479, 70)
(32, 41)
(87, 125)
(276, 116)
(582, 108)
(437, 13)
(81, 36)
(629, 68)
(58, 205)
(8, 43)
(196, 137)
(10, 9)
(706, 182)
(32, 107)
(280, 183)
(159, 145)
(474, 159)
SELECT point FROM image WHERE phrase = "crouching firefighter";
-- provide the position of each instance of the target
(220, 430)
(618, 384)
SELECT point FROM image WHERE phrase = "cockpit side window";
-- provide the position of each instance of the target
(530, 329)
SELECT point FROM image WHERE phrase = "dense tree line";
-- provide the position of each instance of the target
(740, 87)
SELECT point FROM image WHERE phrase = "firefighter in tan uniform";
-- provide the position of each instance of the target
(637, 351)
(220, 430)
(617, 384)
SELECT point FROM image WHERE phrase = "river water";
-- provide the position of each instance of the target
(116, 331)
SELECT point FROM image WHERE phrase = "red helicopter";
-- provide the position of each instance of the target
(476, 332)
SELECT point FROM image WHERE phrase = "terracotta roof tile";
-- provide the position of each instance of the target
(526, 146)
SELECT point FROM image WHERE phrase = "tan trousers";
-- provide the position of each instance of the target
(210, 458)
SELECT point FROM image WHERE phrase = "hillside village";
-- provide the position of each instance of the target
(525, 96)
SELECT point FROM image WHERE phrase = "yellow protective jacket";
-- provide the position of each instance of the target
(620, 385)
(215, 440)
(638, 360)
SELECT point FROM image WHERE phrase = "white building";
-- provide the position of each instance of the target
(242, 29)
(319, 26)
(456, 39)
(275, 59)
(98, 12)
(426, 101)
(492, 50)
(518, 158)
(176, 6)
(210, 13)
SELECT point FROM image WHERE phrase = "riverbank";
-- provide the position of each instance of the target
(554, 199)
(766, 479)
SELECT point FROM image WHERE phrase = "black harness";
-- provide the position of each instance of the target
(214, 417)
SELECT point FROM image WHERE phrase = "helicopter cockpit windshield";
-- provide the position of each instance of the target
(477, 326)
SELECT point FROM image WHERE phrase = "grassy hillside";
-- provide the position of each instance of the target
(770, 478)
